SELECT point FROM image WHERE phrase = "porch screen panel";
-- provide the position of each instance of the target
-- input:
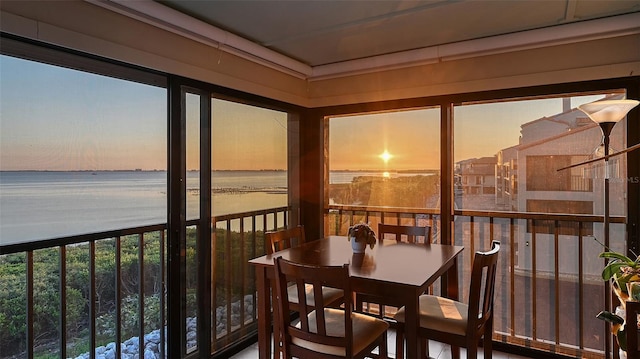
(249, 191)
(81, 152)
(192, 145)
(383, 168)
(507, 184)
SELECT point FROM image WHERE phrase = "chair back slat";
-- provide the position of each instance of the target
(481, 292)
(412, 234)
(302, 306)
(286, 238)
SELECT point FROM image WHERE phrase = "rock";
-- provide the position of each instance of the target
(152, 344)
(149, 354)
(153, 337)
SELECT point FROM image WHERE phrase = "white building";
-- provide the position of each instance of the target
(528, 180)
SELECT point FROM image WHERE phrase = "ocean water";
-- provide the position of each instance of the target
(37, 205)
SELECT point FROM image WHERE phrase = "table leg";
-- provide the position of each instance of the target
(450, 281)
(264, 313)
(276, 323)
(412, 323)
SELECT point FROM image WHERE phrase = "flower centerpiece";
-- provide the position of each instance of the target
(624, 274)
(360, 235)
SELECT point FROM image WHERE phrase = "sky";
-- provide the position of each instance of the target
(412, 138)
(53, 118)
(248, 137)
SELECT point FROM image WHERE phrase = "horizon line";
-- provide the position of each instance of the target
(218, 170)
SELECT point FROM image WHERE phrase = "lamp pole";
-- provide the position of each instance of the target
(606, 128)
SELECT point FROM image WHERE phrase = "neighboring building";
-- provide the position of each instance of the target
(507, 179)
(528, 180)
(477, 175)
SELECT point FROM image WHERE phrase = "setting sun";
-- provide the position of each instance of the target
(386, 156)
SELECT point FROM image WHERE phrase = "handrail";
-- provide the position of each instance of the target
(75, 239)
(81, 238)
(387, 209)
(540, 216)
(231, 216)
(479, 213)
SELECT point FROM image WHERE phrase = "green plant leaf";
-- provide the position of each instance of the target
(622, 337)
(618, 256)
(610, 317)
(612, 269)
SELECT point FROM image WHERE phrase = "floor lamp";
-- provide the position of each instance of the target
(606, 114)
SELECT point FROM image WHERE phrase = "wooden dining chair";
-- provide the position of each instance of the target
(455, 323)
(286, 238)
(323, 331)
(280, 240)
(283, 239)
(631, 329)
(410, 234)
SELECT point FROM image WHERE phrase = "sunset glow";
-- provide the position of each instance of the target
(385, 156)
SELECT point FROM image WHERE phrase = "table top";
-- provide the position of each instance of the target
(389, 261)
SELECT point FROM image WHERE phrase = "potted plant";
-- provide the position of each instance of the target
(360, 235)
(624, 274)
(621, 270)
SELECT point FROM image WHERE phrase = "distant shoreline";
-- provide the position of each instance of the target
(141, 170)
(227, 170)
(70, 171)
(391, 171)
(240, 190)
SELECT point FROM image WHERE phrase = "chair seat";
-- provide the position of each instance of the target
(329, 295)
(366, 329)
(441, 314)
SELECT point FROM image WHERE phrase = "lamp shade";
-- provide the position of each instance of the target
(610, 111)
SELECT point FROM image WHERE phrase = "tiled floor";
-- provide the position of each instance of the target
(436, 350)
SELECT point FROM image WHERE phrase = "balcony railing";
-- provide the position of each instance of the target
(239, 238)
(75, 294)
(83, 296)
(548, 288)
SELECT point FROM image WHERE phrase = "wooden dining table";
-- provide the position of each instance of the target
(391, 269)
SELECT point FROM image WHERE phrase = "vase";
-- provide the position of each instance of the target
(358, 246)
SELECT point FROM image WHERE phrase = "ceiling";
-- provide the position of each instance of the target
(325, 32)
(323, 37)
